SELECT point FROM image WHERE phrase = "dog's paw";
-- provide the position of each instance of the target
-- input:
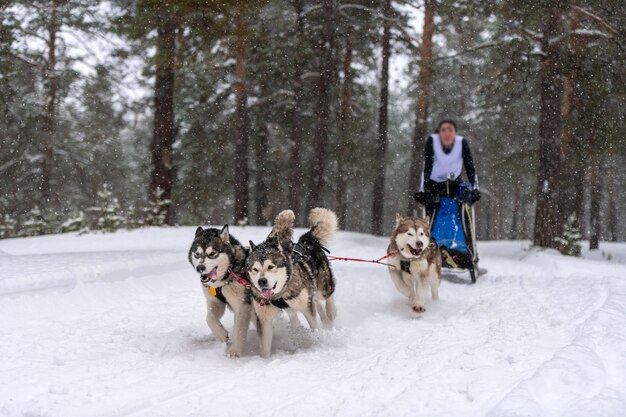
(233, 353)
(418, 308)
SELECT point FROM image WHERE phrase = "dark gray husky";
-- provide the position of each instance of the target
(296, 277)
(219, 258)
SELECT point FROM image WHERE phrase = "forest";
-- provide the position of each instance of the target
(130, 113)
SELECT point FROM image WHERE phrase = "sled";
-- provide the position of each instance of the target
(452, 227)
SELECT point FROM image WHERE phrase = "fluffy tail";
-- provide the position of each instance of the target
(323, 224)
(283, 225)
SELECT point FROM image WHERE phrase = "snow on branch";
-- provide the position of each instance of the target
(598, 19)
(468, 51)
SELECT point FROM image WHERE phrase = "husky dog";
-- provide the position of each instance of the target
(216, 255)
(293, 277)
(416, 261)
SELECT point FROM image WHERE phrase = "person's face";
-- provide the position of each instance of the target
(447, 133)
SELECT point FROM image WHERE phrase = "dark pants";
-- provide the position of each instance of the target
(434, 190)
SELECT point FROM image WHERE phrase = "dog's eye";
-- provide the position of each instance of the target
(410, 234)
(197, 255)
(213, 255)
(422, 234)
(270, 267)
(255, 270)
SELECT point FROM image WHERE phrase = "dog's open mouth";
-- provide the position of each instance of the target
(414, 251)
(209, 276)
(268, 292)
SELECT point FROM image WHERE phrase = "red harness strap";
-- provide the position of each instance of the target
(373, 261)
(240, 280)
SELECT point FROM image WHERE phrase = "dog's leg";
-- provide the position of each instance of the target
(321, 309)
(434, 279)
(264, 327)
(396, 277)
(215, 311)
(293, 317)
(331, 309)
(240, 330)
(310, 314)
(417, 295)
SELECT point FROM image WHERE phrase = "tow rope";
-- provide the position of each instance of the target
(372, 261)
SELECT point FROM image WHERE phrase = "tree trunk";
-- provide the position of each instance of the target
(524, 223)
(378, 197)
(345, 122)
(297, 177)
(423, 99)
(50, 197)
(516, 214)
(549, 215)
(241, 127)
(322, 110)
(163, 172)
(611, 214)
(594, 206)
(260, 191)
(571, 190)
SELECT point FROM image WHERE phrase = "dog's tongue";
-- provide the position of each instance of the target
(267, 293)
(213, 272)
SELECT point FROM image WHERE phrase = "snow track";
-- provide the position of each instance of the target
(113, 325)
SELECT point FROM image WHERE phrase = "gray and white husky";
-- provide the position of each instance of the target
(416, 261)
(214, 254)
(296, 277)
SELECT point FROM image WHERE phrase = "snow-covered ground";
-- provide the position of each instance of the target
(113, 325)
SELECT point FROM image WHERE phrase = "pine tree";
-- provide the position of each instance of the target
(35, 224)
(7, 226)
(155, 213)
(569, 241)
(106, 215)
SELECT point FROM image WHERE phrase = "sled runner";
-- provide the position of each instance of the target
(452, 227)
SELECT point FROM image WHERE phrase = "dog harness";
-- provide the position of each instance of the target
(301, 252)
(217, 293)
(280, 303)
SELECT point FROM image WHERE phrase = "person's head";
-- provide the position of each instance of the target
(447, 132)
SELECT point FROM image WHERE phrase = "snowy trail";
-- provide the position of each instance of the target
(113, 325)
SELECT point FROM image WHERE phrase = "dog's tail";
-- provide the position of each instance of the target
(283, 225)
(323, 224)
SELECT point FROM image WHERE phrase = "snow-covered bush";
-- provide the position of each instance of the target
(76, 223)
(7, 227)
(156, 210)
(35, 224)
(106, 216)
(570, 240)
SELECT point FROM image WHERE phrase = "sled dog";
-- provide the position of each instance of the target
(416, 261)
(296, 277)
(214, 254)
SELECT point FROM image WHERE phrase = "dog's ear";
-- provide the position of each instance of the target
(224, 234)
(398, 219)
(427, 221)
(252, 246)
(199, 231)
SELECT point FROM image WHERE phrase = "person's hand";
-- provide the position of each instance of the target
(420, 197)
(475, 196)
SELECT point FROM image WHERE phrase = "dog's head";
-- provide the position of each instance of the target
(411, 236)
(269, 266)
(211, 254)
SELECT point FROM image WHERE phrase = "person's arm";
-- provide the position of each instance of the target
(468, 163)
(429, 160)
